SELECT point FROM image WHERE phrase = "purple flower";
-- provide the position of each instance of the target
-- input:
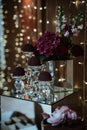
(52, 46)
(67, 30)
(47, 43)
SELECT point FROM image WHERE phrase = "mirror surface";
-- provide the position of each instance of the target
(24, 21)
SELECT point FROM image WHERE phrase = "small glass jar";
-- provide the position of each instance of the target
(45, 94)
(19, 86)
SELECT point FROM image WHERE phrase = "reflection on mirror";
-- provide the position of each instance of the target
(55, 29)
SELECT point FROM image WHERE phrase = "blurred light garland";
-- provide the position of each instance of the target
(25, 26)
(2, 48)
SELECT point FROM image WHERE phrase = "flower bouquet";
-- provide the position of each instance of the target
(58, 45)
(51, 46)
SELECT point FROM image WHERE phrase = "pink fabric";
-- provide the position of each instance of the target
(60, 115)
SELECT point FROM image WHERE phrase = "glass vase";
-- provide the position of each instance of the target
(62, 74)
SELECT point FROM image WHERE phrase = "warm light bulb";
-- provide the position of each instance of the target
(28, 6)
(15, 7)
(17, 55)
(23, 57)
(80, 63)
(6, 12)
(54, 21)
(22, 30)
(5, 36)
(35, 30)
(61, 79)
(40, 21)
(20, 15)
(21, 39)
(19, 50)
(40, 33)
(25, 6)
(20, 43)
(19, 1)
(9, 68)
(7, 50)
(81, 43)
(76, 86)
(47, 22)
(28, 37)
(85, 82)
(62, 65)
(41, 8)
(35, 7)
(45, 7)
(7, 31)
(21, 34)
(56, 69)
(80, 97)
(30, 17)
(34, 18)
(27, 27)
(16, 43)
(83, 1)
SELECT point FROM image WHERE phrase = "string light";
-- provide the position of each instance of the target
(45, 7)
(2, 49)
(23, 57)
(35, 7)
(62, 65)
(40, 21)
(47, 22)
(80, 63)
(41, 8)
(76, 86)
(81, 43)
(56, 69)
(28, 37)
(61, 79)
(19, 1)
(40, 33)
(7, 50)
(35, 30)
(85, 82)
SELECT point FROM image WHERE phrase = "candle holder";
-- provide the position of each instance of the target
(19, 86)
(32, 80)
(45, 92)
(18, 75)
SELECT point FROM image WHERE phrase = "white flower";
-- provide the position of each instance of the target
(57, 29)
(64, 19)
(66, 34)
(63, 26)
(80, 26)
(74, 30)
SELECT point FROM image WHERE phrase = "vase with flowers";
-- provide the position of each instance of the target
(59, 46)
